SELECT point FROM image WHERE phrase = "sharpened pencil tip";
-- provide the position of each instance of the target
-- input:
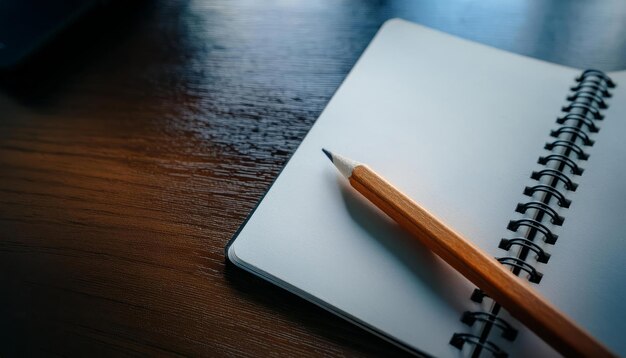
(343, 164)
(328, 154)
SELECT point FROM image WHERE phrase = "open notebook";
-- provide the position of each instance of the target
(467, 126)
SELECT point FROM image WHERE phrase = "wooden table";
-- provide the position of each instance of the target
(133, 148)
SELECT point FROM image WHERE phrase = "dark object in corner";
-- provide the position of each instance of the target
(26, 25)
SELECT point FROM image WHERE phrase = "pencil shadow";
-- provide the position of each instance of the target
(427, 268)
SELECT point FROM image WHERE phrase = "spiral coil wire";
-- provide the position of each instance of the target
(585, 105)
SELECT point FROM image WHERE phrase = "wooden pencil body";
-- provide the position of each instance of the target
(523, 302)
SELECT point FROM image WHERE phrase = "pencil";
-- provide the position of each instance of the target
(510, 291)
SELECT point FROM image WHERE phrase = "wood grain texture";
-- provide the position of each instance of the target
(515, 295)
(136, 144)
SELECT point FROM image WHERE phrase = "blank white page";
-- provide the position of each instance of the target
(458, 127)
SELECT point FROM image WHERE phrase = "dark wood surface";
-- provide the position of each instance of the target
(134, 146)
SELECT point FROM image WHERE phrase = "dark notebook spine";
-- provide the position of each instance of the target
(547, 197)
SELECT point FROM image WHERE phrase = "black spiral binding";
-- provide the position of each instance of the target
(548, 195)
